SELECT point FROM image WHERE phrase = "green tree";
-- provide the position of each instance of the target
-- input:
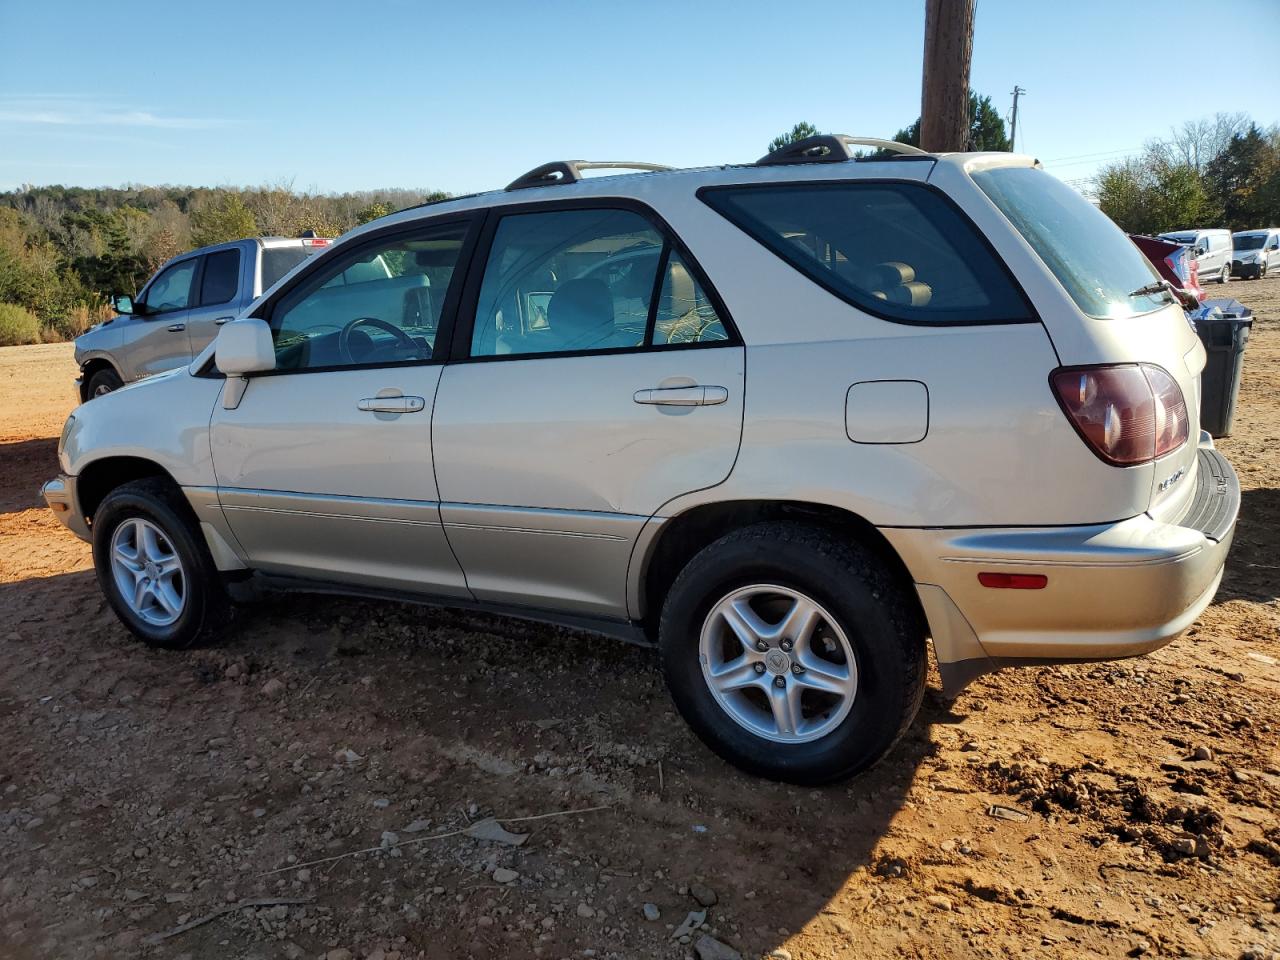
(1151, 194)
(798, 132)
(373, 211)
(986, 127)
(1242, 180)
(226, 218)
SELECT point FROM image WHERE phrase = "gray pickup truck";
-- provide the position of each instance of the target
(180, 309)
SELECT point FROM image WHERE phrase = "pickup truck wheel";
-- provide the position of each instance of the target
(104, 381)
(154, 567)
(792, 653)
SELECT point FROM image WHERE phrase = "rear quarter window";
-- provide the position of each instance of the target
(900, 251)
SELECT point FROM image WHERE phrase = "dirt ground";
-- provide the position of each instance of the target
(1135, 803)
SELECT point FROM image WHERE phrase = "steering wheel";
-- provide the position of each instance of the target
(344, 338)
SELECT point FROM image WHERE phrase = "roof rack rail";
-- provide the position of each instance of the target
(832, 148)
(560, 172)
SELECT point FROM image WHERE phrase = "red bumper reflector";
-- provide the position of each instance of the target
(1014, 581)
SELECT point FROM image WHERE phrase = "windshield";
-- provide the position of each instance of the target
(1249, 241)
(277, 261)
(1091, 257)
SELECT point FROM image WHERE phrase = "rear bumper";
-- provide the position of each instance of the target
(1112, 590)
(60, 495)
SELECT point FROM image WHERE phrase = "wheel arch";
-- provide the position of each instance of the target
(679, 538)
(90, 367)
(99, 477)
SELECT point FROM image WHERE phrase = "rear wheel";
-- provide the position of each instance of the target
(104, 381)
(792, 653)
(154, 567)
(1225, 275)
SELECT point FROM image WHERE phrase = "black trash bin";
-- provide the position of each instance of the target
(1225, 334)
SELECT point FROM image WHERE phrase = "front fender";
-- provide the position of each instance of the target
(164, 419)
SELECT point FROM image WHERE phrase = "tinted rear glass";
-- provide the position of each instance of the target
(221, 277)
(1093, 259)
(898, 250)
(277, 261)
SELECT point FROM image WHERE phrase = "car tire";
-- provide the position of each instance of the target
(860, 619)
(104, 381)
(1262, 272)
(1225, 275)
(154, 567)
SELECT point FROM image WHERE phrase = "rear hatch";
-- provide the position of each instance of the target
(1116, 311)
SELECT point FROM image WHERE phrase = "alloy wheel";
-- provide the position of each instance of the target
(778, 663)
(148, 572)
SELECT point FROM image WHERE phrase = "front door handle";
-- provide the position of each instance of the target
(696, 396)
(221, 320)
(392, 404)
(176, 327)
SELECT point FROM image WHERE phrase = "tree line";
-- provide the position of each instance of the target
(1218, 172)
(65, 250)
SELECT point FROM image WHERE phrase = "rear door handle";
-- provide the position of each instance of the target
(392, 404)
(697, 396)
(221, 320)
(176, 327)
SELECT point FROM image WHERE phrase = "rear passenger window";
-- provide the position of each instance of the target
(898, 250)
(577, 281)
(221, 277)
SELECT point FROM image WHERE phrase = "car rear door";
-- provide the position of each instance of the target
(596, 377)
(216, 299)
(324, 467)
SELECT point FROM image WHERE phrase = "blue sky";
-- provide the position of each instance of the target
(464, 96)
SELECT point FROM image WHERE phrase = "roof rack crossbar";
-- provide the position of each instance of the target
(832, 148)
(560, 172)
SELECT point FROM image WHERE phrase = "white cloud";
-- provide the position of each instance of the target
(75, 110)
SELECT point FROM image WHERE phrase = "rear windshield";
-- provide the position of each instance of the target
(1249, 241)
(897, 250)
(277, 261)
(1092, 258)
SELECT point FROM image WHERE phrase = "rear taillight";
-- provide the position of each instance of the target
(1128, 414)
(315, 241)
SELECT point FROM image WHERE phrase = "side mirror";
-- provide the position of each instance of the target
(122, 303)
(1199, 251)
(243, 347)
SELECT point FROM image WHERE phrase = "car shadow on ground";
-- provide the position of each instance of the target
(19, 462)
(446, 705)
(1253, 565)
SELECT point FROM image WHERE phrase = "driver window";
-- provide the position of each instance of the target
(172, 289)
(380, 304)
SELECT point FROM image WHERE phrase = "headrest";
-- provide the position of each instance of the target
(581, 312)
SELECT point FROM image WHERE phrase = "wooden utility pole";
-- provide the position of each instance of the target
(1013, 127)
(948, 49)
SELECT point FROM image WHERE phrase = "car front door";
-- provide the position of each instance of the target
(600, 378)
(217, 300)
(324, 468)
(155, 338)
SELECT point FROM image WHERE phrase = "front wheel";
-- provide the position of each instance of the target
(154, 567)
(792, 653)
(104, 381)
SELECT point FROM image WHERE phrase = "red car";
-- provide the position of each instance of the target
(1173, 263)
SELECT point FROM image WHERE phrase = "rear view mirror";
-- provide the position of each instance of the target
(122, 303)
(1199, 251)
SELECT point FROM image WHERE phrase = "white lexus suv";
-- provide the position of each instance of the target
(787, 421)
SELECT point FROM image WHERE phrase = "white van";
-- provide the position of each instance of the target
(1255, 252)
(1211, 248)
